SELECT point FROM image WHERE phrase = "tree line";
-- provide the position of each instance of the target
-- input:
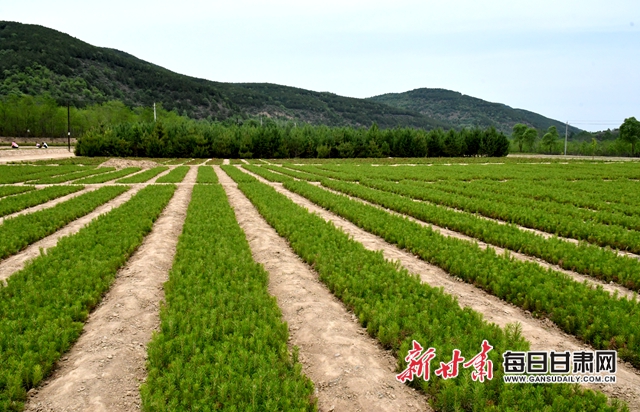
(620, 142)
(251, 139)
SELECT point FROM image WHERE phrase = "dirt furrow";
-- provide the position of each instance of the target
(543, 334)
(48, 204)
(225, 161)
(104, 369)
(351, 371)
(16, 262)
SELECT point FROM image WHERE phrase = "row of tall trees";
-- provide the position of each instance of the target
(189, 138)
(549, 141)
(42, 116)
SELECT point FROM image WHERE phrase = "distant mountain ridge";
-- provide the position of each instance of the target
(36, 60)
(466, 111)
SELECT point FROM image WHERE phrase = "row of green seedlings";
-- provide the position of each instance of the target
(540, 206)
(535, 171)
(206, 174)
(144, 176)
(222, 344)
(604, 199)
(396, 308)
(78, 160)
(521, 214)
(621, 190)
(19, 232)
(106, 177)
(43, 307)
(14, 190)
(605, 235)
(214, 162)
(593, 315)
(71, 176)
(16, 174)
(32, 198)
(174, 162)
(175, 176)
(584, 258)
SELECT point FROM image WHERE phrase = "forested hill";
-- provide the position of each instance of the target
(36, 60)
(460, 110)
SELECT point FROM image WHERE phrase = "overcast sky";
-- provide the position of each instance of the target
(565, 59)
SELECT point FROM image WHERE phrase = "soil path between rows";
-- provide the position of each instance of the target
(104, 369)
(543, 334)
(18, 261)
(351, 371)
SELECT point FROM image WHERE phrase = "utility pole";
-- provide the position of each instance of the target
(566, 136)
(155, 119)
(68, 126)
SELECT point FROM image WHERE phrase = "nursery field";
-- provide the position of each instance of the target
(337, 285)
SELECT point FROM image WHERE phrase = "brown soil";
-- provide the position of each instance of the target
(16, 262)
(21, 155)
(226, 162)
(123, 163)
(350, 370)
(104, 369)
(541, 333)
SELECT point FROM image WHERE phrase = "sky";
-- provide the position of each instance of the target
(576, 61)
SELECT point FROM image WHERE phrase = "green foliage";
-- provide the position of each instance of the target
(105, 177)
(523, 135)
(175, 176)
(21, 231)
(144, 176)
(583, 258)
(222, 344)
(72, 176)
(19, 202)
(396, 307)
(189, 139)
(463, 111)
(22, 173)
(14, 190)
(206, 174)
(550, 138)
(44, 305)
(593, 315)
(630, 132)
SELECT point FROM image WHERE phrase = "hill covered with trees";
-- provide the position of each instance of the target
(36, 60)
(466, 111)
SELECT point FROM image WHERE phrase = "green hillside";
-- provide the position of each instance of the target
(463, 111)
(36, 60)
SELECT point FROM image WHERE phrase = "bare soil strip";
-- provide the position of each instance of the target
(21, 155)
(244, 161)
(104, 369)
(225, 161)
(349, 368)
(18, 261)
(543, 334)
(49, 204)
